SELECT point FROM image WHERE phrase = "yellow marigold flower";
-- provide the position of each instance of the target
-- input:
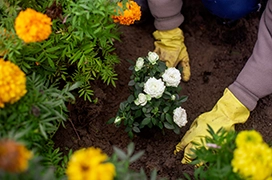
(32, 26)
(246, 137)
(129, 15)
(253, 161)
(14, 157)
(89, 164)
(12, 83)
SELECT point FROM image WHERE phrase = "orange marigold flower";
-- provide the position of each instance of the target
(12, 82)
(32, 26)
(14, 157)
(129, 15)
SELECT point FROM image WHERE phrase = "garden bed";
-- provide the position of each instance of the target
(217, 53)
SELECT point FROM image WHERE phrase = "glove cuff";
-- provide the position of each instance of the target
(232, 107)
(172, 34)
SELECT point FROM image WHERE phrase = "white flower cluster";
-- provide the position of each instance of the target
(171, 77)
(154, 88)
(152, 58)
(142, 99)
(180, 116)
(139, 64)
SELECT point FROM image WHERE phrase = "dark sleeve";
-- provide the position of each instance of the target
(166, 13)
(255, 79)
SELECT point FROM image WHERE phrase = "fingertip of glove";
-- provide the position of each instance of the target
(186, 160)
(185, 78)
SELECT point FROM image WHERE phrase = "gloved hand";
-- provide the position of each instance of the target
(227, 112)
(170, 47)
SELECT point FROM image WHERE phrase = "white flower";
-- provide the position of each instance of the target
(117, 120)
(154, 87)
(173, 97)
(212, 145)
(142, 99)
(139, 64)
(171, 77)
(153, 57)
(180, 116)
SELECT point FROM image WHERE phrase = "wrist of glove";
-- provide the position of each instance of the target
(170, 47)
(227, 112)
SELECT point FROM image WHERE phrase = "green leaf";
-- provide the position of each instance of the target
(131, 83)
(146, 121)
(154, 121)
(136, 129)
(122, 106)
(130, 99)
(75, 86)
(121, 154)
(130, 148)
(153, 175)
(136, 156)
(166, 109)
(169, 118)
(111, 121)
(43, 131)
(51, 63)
(52, 49)
(168, 125)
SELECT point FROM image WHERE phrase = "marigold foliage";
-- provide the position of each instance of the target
(252, 158)
(89, 164)
(14, 157)
(12, 83)
(130, 14)
(3, 33)
(32, 26)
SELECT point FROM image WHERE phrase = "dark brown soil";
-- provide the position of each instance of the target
(217, 52)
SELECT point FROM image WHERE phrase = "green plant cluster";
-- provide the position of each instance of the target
(122, 161)
(214, 161)
(35, 118)
(79, 49)
(157, 112)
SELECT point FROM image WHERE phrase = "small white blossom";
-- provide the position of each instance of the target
(212, 145)
(153, 57)
(171, 77)
(154, 87)
(117, 120)
(173, 97)
(139, 64)
(180, 116)
(141, 100)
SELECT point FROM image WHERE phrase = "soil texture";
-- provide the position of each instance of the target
(217, 53)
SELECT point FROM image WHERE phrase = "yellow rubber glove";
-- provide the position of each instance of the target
(170, 47)
(227, 112)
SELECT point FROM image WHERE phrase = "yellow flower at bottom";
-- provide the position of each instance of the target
(12, 83)
(253, 161)
(89, 164)
(248, 137)
(14, 157)
(32, 26)
(131, 14)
